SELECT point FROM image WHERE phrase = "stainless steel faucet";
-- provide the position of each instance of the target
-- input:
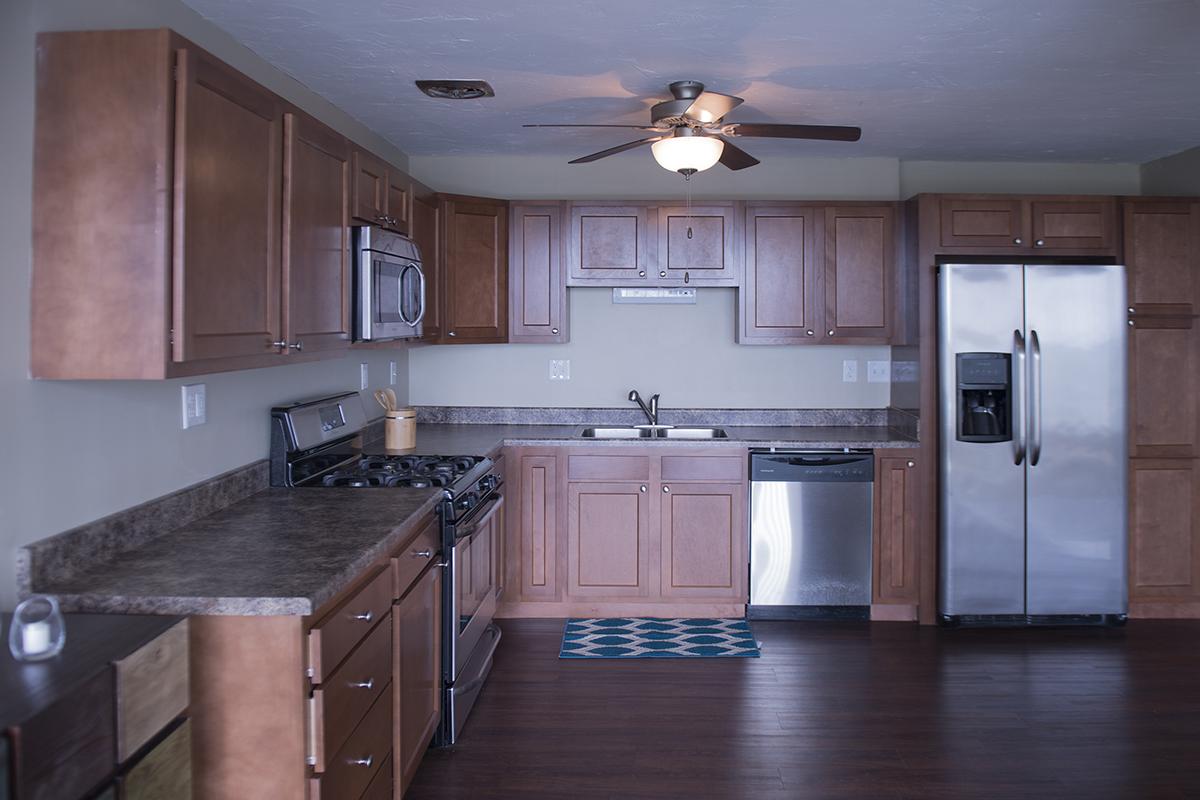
(650, 411)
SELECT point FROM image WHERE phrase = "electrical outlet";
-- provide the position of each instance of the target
(850, 371)
(392, 373)
(560, 369)
(364, 379)
(195, 410)
(879, 371)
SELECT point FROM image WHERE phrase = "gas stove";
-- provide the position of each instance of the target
(413, 472)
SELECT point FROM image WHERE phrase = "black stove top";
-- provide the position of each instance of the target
(411, 471)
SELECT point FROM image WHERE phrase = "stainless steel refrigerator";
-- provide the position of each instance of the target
(1032, 393)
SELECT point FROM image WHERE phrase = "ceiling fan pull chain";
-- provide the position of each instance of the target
(688, 179)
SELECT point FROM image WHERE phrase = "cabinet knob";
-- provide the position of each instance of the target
(830, 333)
(1131, 310)
(1017, 240)
(421, 554)
(642, 488)
(366, 616)
(280, 345)
(369, 683)
(452, 333)
(641, 273)
(809, 333)
(1040, 243)
(361, 762)
(298, 346)
(662, 273)
(666, 490)
(911, 464)
(554, 331)
(1129, 323)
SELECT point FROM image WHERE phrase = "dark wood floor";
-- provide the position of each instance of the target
(840, 710)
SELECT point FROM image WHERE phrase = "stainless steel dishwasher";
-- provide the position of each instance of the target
(810, 534)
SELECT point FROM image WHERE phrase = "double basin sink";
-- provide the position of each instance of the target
(652, 432)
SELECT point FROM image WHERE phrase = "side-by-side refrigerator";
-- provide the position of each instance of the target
(1032, 394)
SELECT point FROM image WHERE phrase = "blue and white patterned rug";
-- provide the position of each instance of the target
(641, 637)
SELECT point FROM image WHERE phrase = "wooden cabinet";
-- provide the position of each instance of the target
(317, 277)
(784, 253)
(164, 772)
(1028, 225)
(416, 620)
(228, 189)
(426, 234)
(703, 539)
(895, 551)
(537, 283)
(399, 201)
(533, 521)
(475, 269)
(1162, 256)
(860, 274)
(608, 539)
(696, 245)
(1164, 387)
(611, 245)
(381, 194)
(1164, 527)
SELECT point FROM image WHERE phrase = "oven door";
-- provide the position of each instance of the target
(473, 574)
(391, 296)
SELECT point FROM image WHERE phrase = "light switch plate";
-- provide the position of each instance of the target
(879, 371)
(195, 411)
(560, 369)
(392, 373)
(363, 377)
(850, 370)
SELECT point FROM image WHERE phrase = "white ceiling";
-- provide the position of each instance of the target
(1029, 80)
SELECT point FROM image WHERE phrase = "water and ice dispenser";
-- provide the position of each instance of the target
(984, 389)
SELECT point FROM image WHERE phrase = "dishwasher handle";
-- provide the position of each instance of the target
(813, 467)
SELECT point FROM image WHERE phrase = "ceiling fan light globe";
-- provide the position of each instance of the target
(680, 153)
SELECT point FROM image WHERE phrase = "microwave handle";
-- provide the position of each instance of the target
(421, 314)
(401, 296)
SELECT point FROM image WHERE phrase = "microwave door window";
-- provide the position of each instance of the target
(388, 294)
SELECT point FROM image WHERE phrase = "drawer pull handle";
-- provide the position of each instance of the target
(368, 684)
(362, 762)
(366, 616)
(421, 554)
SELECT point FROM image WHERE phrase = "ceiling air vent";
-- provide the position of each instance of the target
(456, 90)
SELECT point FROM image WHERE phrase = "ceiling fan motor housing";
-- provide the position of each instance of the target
(670, 112)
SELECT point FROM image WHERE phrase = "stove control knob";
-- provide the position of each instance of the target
(487, 482)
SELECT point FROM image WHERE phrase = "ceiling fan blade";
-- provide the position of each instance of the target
(735, 157)
(711, 106)
(833, 133)
(612, 151)
(571, 125)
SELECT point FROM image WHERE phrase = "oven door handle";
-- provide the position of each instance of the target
(489, 511)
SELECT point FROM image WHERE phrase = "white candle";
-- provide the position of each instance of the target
(35, 638)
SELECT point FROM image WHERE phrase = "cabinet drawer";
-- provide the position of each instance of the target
(342, 701)
(340, 630)
(352, 769)
(703, 468)
(608, 468)
(408, 563)
(152, 689)
(165, 772)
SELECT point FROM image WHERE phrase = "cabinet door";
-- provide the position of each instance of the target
(426, 234)
(416, 631)
(316, 248)
(1074, 224)
(228, 187)
(608, 540)
(475, 246)
(164, 772)
(1164, 535)
(784, 250)
(984, 223)
(370, 191)
(611, 245)
(1162, 256)
(704, 540)
(537, 508)
(537, 286)
(894, 576)
(1164, 387)
(696, 246)
(860, 273)
(399, 201)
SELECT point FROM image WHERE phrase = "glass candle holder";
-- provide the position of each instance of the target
(38, 631)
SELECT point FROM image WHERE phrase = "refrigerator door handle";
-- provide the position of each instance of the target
(1018, 394)
(1035, 399)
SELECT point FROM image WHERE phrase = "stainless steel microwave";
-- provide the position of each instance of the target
(389, 286)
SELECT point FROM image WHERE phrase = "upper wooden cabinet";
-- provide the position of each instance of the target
(860, 273)
(697, 245)
(425, 233)
(537, 286)
(1028, 225)
(785, 246)
(475, 269)
(611, 245)
(382, 194)
(212, 240)
(1162, 254)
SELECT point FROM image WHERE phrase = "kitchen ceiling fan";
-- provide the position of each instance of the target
(691, 134)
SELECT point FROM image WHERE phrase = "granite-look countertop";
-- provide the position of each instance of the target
(481, 439)
(281, 551)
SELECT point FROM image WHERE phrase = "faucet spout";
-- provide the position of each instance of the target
(650, 411)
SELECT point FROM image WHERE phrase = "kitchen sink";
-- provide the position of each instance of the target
(648, 432)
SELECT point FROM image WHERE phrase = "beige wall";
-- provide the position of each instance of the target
(76, 451)
(1174, 175)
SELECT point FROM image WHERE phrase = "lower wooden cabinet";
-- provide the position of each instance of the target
(164, 772)
(1164, 537)
(416, 621)
(703, 537)
(533, 523)
(895, 578)
(608, 540)
(1164, 387)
